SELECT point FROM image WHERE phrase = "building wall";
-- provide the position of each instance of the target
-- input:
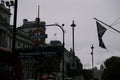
(22, 40)
(4, 14)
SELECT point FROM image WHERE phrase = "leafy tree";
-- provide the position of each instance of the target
(112, 69)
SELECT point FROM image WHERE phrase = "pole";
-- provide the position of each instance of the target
(14, 25)
(62, 46)
(63, 49)
(107, 25)
(92, 60)
(73, 25)
(63, 53)
(73, 41)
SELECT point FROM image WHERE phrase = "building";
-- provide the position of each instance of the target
(6, 31)
(98, 72)
(27, 38)
(27, 27)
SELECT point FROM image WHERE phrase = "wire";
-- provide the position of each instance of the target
(114, 23)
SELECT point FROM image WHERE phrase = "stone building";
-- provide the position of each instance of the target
(6, 31)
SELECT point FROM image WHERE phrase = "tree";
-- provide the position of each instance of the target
(112, 69)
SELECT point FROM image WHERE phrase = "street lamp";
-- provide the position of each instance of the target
(73, 25)
(61, 29)
(62, 45)
(92, 47)
(9, 4)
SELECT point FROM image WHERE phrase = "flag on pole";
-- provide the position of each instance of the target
(101, 30)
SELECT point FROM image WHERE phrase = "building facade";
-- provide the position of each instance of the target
(6, 31)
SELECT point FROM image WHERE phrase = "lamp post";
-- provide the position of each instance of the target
(62, 45)
(92, 47)
(73, 26)
(2, 2)
(61, 29)
(14, 24)
(73, 63)
(9, 4)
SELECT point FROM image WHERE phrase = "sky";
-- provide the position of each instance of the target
(82, 12)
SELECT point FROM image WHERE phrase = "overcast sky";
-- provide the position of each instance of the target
(82, 12)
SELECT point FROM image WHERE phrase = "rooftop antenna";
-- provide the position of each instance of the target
(38, 18)
(38, 10)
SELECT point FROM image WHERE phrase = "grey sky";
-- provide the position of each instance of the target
(83, 12)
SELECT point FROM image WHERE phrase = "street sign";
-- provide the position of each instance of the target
(39, 54)
(38, 36)
(50, 51)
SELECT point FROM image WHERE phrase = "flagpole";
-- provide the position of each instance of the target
(107, 25)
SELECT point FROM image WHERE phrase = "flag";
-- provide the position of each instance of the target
(55, 34)
(101, 30)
